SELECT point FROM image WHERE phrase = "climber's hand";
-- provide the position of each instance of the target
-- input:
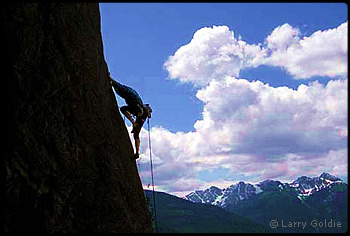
(111, 81)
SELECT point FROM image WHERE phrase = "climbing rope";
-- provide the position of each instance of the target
(150, 157)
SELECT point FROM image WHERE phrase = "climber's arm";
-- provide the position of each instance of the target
(130, 95)
(117, 86)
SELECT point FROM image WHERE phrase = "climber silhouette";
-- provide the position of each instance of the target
(134, 107)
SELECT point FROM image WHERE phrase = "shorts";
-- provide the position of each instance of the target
(135, 110)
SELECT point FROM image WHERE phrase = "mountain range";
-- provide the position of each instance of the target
(177, 215)
(306, 205)
(302, 187)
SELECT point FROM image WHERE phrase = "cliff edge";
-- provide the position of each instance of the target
(69, 168)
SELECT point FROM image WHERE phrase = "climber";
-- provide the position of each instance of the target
(134, 107)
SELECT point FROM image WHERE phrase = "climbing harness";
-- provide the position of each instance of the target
(150, 157)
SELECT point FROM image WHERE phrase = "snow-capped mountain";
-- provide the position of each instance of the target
(308, 186)
(222, 197)
(302, 187)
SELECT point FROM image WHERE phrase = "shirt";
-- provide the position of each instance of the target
(130, 95)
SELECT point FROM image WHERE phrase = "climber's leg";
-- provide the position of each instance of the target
(127, 113)
(137, 129)
(137, 143)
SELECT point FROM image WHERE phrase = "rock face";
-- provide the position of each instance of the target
(69, 168)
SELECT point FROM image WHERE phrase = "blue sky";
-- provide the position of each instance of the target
(139, 38)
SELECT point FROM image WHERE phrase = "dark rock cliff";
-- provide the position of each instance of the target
(69, 168)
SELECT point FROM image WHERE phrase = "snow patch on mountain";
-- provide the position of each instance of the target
(302, 188)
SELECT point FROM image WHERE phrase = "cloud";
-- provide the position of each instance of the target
(252, 130)
(324, 53)
(214, 53)
(257, 115)
(256, 132)
(282, 37)
(242, 117)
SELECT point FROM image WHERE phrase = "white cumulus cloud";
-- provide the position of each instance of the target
(250, 128)
(282, 37)
(214, 53)
(256, 130)
(324, 53)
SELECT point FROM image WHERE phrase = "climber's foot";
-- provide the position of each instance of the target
(136, 156)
